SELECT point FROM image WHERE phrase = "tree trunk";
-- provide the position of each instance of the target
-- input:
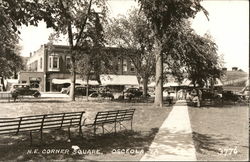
(2, 81)
(145, 86)
(72, 87)
(73, 62)
(87, 89)
(212, 81)
(15, 74)
(158, 76)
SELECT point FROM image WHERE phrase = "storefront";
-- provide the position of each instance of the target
(36, 80)
(117, 83)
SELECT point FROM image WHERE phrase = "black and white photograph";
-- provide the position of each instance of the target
(124, 80)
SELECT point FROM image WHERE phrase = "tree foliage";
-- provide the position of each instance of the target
(162, 15)
(133, 32)
(80, 21)
(190, 53)
(10, 59)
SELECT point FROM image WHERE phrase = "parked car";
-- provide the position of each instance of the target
(102, 94)
(230, 96)
(23, 90)
(133, 93)
(81, 91)
(246, 93)
(209, 94)
(172, 93)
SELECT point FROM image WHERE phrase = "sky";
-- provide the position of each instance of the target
(228, 25)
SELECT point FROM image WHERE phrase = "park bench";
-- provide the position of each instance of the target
(112, 118)
(39, 123)
(5, 96)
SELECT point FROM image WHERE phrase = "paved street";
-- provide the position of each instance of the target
(174, 141)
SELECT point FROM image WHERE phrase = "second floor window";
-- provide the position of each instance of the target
(50, 62)
(41, 63)
(53, 62)
(68, 63)
(34, 66)
(132, 68)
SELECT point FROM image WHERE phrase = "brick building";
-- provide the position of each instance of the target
(48, 68)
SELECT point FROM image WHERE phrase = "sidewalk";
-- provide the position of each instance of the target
(174, 141)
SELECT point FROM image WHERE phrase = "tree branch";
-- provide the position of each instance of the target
(84, 23)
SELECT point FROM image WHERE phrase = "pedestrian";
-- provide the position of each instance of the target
(180, 94)
(196, 99)
(169, 99)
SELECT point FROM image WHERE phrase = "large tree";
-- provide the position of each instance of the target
(75, 19)
(10, 59)
(91, 54)
(192, 54)
(205, 66)
(70, 18)
(10, 63)
(161, 15)
(134, 33)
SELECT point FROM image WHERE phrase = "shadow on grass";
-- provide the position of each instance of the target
(210, 104)
(17, 147)
(204, 142)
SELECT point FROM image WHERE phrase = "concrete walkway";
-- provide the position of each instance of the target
(174, 141)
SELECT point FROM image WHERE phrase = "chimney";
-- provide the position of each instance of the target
(30, 54)
(234, 68)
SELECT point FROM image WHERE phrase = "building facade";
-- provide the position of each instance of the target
(48, 68)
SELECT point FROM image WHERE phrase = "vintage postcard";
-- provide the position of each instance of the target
(124, 80)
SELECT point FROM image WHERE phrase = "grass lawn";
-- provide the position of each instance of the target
(220, 133)
(125, 145)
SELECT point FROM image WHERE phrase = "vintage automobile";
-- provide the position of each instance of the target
(23, 90)
(230, 96)
(81, 91)
(209, 94)
(102, 94)
(131, 93)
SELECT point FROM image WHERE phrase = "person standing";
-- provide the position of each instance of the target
(195, 94)
(169, 99)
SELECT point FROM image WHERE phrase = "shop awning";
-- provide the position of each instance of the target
(187, 82)
(78, 81)
(119, 80)
(169, 84)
